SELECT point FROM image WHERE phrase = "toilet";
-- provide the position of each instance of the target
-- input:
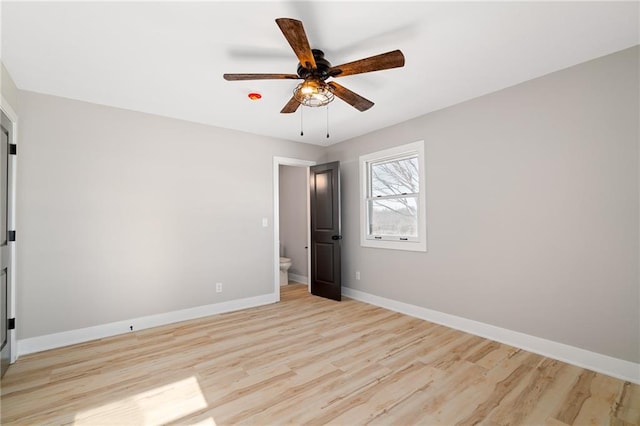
(285, 264)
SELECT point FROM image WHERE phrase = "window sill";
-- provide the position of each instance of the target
(395, 245)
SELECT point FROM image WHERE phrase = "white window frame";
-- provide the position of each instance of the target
(394, 243)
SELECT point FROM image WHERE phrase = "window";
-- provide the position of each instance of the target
(392, 198)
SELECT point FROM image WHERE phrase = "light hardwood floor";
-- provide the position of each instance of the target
(313, 361)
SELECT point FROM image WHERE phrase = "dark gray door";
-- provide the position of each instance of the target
(5, 341)
(325, 230)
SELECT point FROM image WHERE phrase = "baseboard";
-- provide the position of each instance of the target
(65, 338)
(298, 278)
(618, 368)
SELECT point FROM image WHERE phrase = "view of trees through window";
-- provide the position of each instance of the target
(393, 197)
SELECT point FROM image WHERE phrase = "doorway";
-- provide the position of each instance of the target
(8, 150)
(293, 251)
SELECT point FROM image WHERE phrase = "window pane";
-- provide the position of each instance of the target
(395, 177)
(396, 217)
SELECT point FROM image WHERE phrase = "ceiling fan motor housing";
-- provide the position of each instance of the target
(322, 67)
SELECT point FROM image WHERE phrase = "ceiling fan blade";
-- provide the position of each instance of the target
(235, 77)
(294, 33)
(352, 98)
(384, 61)
(291, 106)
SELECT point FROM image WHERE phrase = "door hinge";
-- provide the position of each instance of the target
(11, 235)
(11, 323)
(13, 148)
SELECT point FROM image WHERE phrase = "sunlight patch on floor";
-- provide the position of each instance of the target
(156, 406)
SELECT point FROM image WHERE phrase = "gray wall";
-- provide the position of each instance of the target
(293, 216)
(8, 88)
(532, 209)
(123, 214)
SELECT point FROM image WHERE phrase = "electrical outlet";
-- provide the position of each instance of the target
(218, 287)
(358, 275)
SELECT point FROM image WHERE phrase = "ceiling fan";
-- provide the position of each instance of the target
(314, 69)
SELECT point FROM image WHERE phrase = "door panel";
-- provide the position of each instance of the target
(5, 340)
(324, 256)
(324, 200)
(4, 331)
(324, 181)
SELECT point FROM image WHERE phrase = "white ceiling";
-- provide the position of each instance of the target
(168, 58)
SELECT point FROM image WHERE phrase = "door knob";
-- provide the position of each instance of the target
(336, 237)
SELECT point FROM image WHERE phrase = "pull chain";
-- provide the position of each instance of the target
(327, 121)
(301, 109)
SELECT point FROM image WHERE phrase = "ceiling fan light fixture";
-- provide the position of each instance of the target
(313, 93)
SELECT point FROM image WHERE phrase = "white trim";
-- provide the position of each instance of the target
(65, 338)
(308, 231)
(277, 162)
(419, 244)
(6, 107)
(11, 219)
(298, 278)
(618, 368)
